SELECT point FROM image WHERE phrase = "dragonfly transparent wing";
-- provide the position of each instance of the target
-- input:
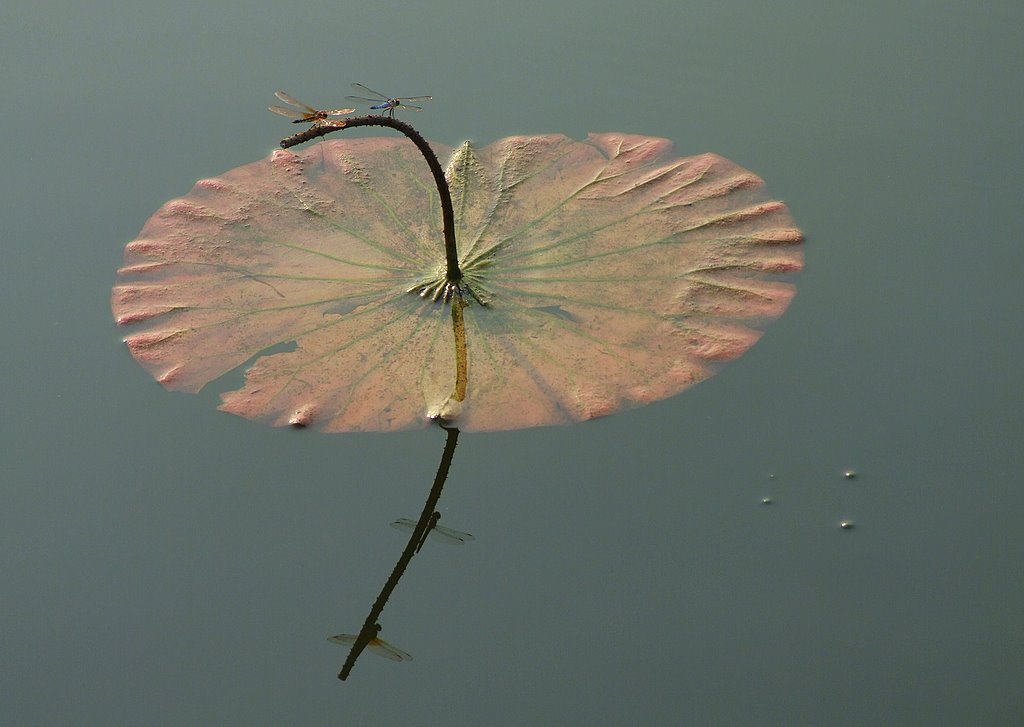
(294, 102)
(347, 639)
(377, 646)
(375, 96)
(290, 113)
(438, 532)
(400, 103)
(383, 648)
(447, 535)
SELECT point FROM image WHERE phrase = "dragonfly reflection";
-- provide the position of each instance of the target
(377, 646)
(438, 532)
(303, 113)
(385, 104)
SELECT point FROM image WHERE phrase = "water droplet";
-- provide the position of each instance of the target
(766, 501)
(846, 524)
(849, 474)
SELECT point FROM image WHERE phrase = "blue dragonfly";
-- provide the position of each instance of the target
(385, 104)
(303, 113)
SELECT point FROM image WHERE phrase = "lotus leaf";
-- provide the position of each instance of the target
(599, 274)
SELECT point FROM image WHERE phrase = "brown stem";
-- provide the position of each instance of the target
(453, 275)
(370, 626)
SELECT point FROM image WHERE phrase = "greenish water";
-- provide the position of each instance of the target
(163, 563)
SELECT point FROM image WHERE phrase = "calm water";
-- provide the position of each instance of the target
(166, 564)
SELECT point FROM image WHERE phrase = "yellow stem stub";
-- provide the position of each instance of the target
(461, 363)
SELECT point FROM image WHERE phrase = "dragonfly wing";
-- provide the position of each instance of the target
(338, 112)
(437, 532)
(408, 106)
(377, 95)
(416, 98)
(405, 524)
(383, 648)
(290, 113)
(293, 101)
(452, 537)
(364, 101)
(347, 639)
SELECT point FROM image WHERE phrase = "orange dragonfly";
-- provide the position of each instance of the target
(303, 113)
(376, 645)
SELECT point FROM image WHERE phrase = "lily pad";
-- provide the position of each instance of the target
(600, 274)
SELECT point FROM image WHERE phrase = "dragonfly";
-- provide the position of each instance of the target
(303, 113)
(376, 645)
(385, 104)
(440, 532)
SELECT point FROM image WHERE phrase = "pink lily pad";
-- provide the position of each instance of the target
(602, 274)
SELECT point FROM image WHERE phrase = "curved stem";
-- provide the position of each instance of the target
(427, 520)
(453, 275)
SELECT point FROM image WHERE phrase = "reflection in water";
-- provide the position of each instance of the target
(376, 645)
(438, 532)
(367, 636)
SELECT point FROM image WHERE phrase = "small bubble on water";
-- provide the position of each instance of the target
(846, 524)
(849, 474)
(767, 501)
